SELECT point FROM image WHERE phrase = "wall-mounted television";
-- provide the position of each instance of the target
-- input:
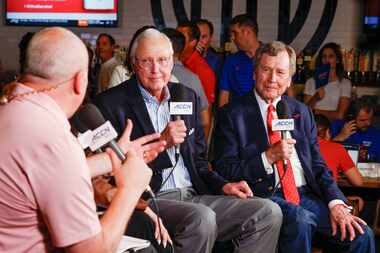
(79, 13)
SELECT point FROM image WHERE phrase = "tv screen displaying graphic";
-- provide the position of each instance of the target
(80, 13)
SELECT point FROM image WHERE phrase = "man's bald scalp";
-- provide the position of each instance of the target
(55, 54)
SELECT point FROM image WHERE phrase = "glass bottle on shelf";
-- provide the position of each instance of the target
(300, 77)
(364, 66)
(356, 73)
(348, 62)
(227, 48)
(376, 66)
(307, 57)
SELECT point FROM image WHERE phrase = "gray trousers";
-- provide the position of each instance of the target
(195, 222)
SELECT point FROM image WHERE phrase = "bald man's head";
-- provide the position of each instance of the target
(55, 54)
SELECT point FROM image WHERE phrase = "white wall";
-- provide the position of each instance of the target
(135, 13)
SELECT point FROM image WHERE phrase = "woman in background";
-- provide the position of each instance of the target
(332, 98)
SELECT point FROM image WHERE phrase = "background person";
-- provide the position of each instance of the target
(236, 79)
(105, 46)
(212, 57)
(334, 154)
(192, 60)
(360, 130)
(332, 99)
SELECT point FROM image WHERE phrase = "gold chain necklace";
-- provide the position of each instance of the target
(9, 88)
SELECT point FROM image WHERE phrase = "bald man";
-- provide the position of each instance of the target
(46, 198)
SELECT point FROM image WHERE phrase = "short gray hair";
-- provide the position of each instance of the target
(149, 34)
(55, 54)
(273, 49)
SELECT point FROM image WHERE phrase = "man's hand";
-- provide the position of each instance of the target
(347, 130)
(144, 147)
(174, 133)
(347, 223)
(133, 175)
(281, 150)
(239, 189)
(163, 235)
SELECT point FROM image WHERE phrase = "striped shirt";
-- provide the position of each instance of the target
(160, 116)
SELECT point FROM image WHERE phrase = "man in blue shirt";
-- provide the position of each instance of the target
(360, 130)
(236, 79)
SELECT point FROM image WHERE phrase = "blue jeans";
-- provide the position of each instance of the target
(311, 217)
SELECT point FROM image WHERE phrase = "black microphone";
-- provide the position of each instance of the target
(282, 113)
(177, 95)
(88, 117)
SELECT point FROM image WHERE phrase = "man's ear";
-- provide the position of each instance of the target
(80, 82)
(245, 30)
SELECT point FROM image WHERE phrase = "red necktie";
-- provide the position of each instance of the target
(288, 184)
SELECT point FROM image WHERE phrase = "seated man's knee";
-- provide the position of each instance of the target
(367, 239)
(273, 212)
(268, 214)
(202, 220)
(299, 221)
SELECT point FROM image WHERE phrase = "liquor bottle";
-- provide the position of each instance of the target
(307, 57)
(364, 66)
(227, 48)
(356, 73)
(376, 66)
(300, 77)
(349, 63)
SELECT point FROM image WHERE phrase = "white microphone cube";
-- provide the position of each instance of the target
(181, 108)
(283, 125)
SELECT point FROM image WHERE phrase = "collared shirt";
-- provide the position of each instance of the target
(46, 195)
(198, 65)
(237, 75)
(299, 176)
(160, 116)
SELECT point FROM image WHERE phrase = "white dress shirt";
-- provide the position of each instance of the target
(299, 177)
(298, 172)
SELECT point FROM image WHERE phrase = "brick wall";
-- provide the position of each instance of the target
(345, 28)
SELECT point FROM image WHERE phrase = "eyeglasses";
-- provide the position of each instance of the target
(149, 62)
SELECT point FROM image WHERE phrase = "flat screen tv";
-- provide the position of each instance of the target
(79, 13)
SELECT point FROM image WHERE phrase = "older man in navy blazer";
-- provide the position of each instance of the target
(247, 148)
(192, 200)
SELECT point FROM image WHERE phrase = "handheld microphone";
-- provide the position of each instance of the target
(88, 117)
(179, 107)
(283, 123)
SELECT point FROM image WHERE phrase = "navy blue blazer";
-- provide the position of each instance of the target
(240, 138)
(126, 102)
